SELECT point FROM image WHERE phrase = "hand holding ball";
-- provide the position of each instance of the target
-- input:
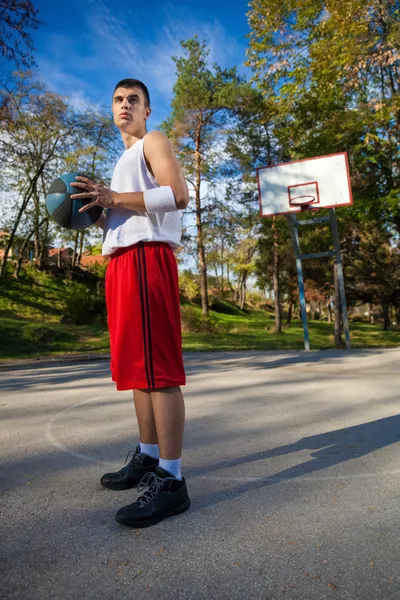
(75, 202)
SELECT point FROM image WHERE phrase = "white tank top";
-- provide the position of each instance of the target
(125, 227)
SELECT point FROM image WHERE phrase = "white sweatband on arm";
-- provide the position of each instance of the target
(160, 199)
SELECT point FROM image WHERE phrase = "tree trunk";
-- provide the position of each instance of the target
(21, 254)
(236, 293)
(277, 298)
(312, 310)
(36, 217)
(26, 198)
(43, 245)
(371, 314)
(74, 256)
(338, 328)
(82, 236)
(386, 315)
(290, 309)
(12, 235)
(329, 312)
(222, 269)
(243, 291)
(200, 240)
(397, 311)
(23, 248)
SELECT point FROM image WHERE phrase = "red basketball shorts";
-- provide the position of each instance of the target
(142, 295)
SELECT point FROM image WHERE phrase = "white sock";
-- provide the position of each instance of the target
(150, 450)
(172, 466)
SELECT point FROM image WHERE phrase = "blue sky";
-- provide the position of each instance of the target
(86, 46)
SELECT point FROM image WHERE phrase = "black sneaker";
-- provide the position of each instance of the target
(131, 474)
(165, 496)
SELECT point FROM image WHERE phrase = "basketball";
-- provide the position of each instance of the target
(64, 210)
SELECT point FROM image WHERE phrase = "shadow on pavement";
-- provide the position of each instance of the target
(331, 448)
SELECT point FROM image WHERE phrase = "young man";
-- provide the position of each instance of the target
(142, 227)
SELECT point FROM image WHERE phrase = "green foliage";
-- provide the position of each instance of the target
(255, 331)
(41, 136)
(83, 306)
(331, 73)
(194, 321)
(329, 76)
(204, 108)
(99, 269)
(27, 338)
(31, 309)
(189, 286)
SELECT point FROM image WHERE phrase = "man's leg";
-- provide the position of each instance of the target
(145, 416)
(144, 460)
(169, 415)
(167, 493)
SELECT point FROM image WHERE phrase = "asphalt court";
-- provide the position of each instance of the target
(292, 464)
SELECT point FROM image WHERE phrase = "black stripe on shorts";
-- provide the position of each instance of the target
(146, 324)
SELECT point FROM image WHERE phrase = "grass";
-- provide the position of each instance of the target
(30, 312)
(255, 331)
(25, 338)
(32, 307)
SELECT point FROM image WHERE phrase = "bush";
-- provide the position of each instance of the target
(188, 286)
(83, 306)
(193, 321)
(43, 336)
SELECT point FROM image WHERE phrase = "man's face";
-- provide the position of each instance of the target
(129, 110)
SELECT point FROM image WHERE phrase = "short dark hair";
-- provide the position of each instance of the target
(130, 83)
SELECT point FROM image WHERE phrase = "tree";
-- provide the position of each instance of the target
(203, 105)
(245, 265)
(41, 137)
(275, 264)
(372, 266)
(16, 18)
(253, 144)
(330, 71)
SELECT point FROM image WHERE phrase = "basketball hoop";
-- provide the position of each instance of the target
(303, 202)
(306, 184)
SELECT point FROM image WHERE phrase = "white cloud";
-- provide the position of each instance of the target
(139, 44)
(122, 45)
(224, 48)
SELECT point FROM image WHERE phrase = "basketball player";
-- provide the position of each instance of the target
(142, 228)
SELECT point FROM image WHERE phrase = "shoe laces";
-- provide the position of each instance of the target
(153, 485)
(129, 464)
(133, 451)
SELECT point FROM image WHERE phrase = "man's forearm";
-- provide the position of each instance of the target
(129, 200)
(160, 199)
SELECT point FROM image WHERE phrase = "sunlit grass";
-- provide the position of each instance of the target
(31, 309)
(256, 332)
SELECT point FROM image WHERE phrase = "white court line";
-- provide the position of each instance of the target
(213, 476)
(56, 442)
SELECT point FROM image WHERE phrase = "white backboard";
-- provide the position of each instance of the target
(326, 179)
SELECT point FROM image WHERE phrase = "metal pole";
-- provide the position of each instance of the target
(335, 235)
(292, 221)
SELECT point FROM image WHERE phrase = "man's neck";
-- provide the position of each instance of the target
(129, 139)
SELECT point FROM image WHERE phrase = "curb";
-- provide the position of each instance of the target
(6, 365)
